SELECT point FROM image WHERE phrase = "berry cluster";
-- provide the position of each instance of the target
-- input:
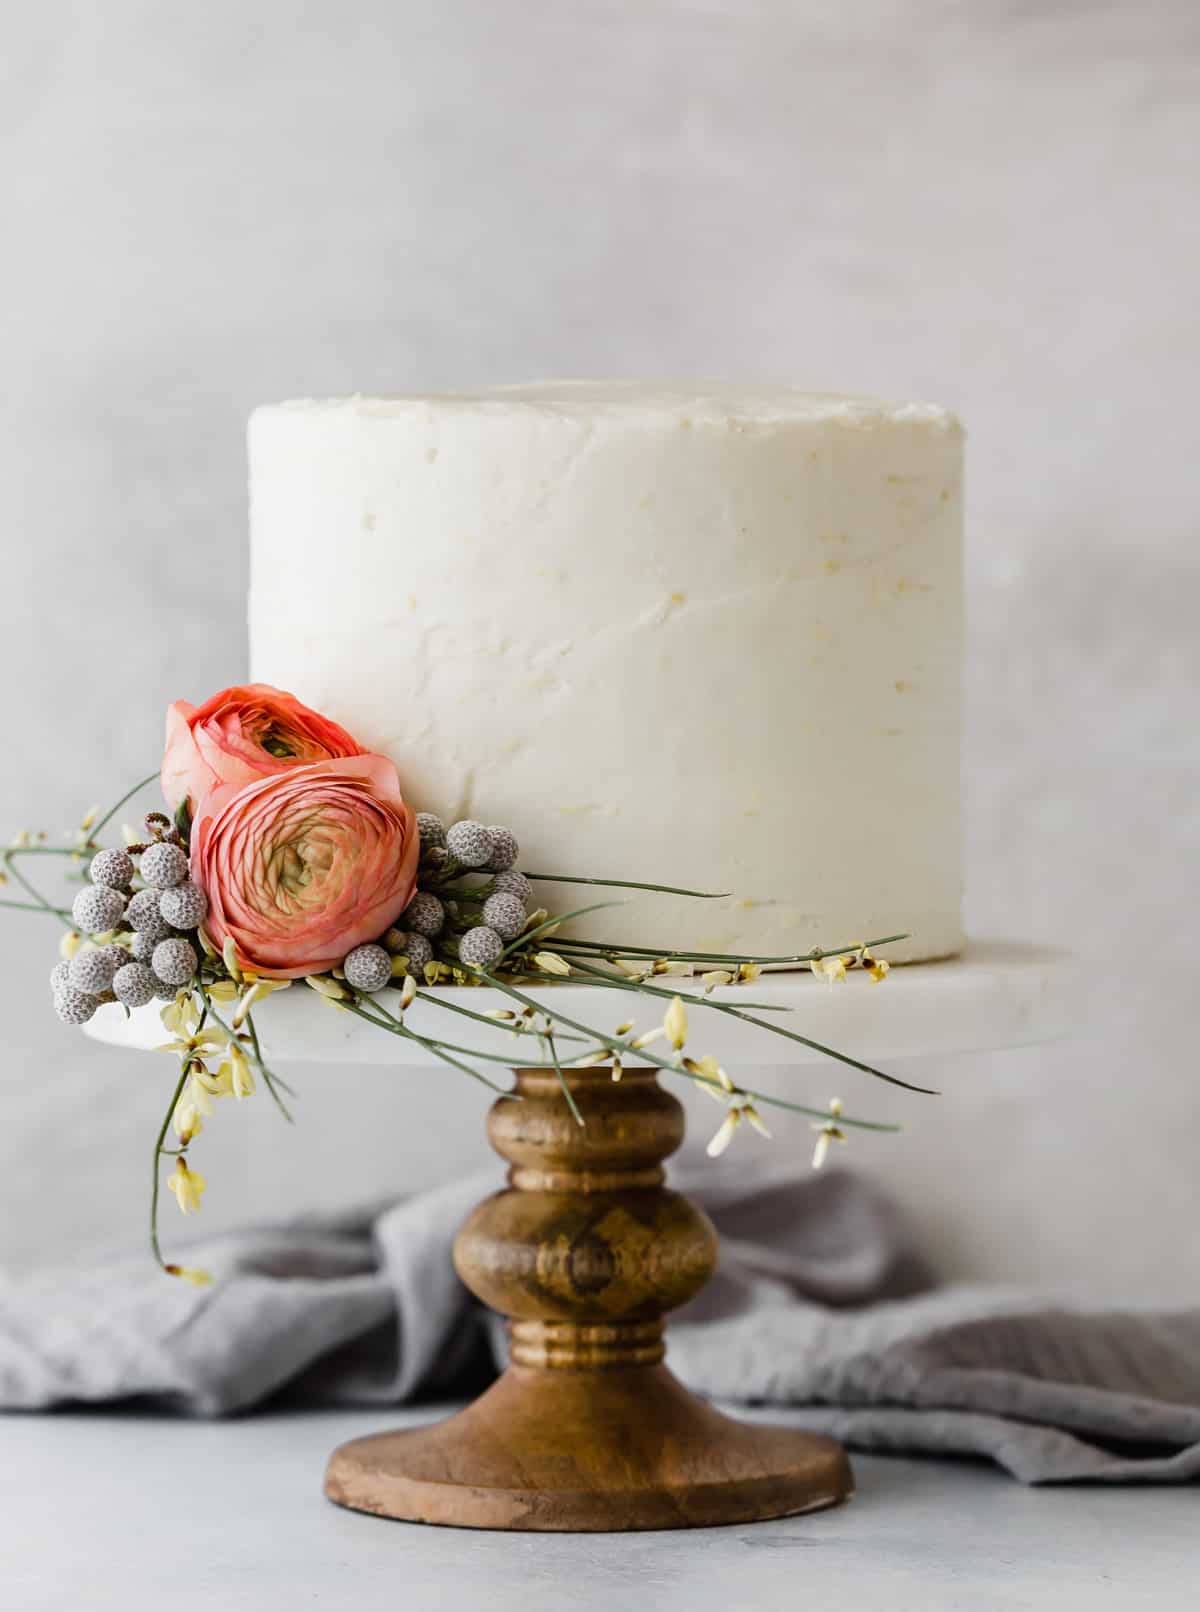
(142, 944)
(450, 920)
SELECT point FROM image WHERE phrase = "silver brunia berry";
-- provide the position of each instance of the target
(515, 884)
(96, 908)
(184, 906)
(505, 849)
(142, 915)
(419, 951)
(135, 985)
(367, 968)
(112, 868)
(164, 865)
(480, 946)
(92, 971)
(431, 829)
(469, 843)
(425, 914)
(174, 961)
(73, 1007)
(505, 913)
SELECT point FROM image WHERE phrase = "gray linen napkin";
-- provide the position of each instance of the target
(821, 1302)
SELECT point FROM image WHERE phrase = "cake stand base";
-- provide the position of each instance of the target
(589, 1452)
(587, 1430)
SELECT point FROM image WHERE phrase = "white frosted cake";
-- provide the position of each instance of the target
(702, 636)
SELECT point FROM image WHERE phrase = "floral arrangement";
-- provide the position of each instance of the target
(291, 855)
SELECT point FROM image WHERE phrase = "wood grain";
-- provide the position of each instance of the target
(587, 1430)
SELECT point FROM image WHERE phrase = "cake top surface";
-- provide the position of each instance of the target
(698, 401)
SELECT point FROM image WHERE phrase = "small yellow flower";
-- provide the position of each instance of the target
(235, 1073)
(724, 1133)
(325, 987)
(649, 1037)
(182, 1016)
(712, 1076)
(224, 992)
(625, 1026)
(618, 1069)
(88, 820)
(877, 967)
(741, 1109)
(715, 977)
(198, 1044)
(408, 992)
(69, 944)
(20, 840)
(591, 1060)
(749, 971)
(188, 1187)
(192, 1274)
(190, 1112)
(675, 1023)
(683, 970)
(831, 969)
(633, 971)
(255, 994)
(827, 1131)
(551, 963)
(229, 957)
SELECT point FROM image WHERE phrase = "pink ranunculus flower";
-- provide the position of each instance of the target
(304, 865)
(241, 734)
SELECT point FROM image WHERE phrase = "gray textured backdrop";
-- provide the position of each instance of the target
(993, 206)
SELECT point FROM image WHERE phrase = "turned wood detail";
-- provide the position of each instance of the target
(587, 1429)
(587, 1249)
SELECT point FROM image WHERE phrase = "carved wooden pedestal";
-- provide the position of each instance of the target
(587, 1430)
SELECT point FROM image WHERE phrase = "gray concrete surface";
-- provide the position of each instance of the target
(128, 1514)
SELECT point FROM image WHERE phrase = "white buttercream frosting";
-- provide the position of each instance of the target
(706, 636)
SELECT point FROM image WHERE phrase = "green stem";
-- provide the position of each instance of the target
(436, 1047)
(553, 922)
(632, 884)
(158, 1150)
(562, 1080)
(625, 1051)
(620, 984)
(609, 951)
(32, 906)
(513, 1025)
(256, 1053)
(113, 810)
(43, 905)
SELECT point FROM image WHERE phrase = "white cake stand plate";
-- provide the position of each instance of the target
(997, 994)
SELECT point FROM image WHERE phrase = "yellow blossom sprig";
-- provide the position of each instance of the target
(672, 1066)
(831, 969)
(618, 983)
(187, 1185)
(609, 953)
(828, 1131)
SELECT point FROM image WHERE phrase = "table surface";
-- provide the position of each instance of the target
(114, 1510)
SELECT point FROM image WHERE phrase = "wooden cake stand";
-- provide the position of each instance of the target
(587, 1430)
(586, 1250)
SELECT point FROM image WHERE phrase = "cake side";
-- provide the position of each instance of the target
(708, 638)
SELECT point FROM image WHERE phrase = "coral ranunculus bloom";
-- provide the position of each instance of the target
(303, 866)
(241, 734)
